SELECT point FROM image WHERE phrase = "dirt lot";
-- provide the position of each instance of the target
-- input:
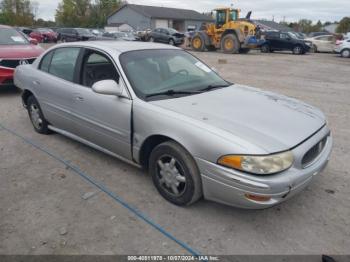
(45, 208)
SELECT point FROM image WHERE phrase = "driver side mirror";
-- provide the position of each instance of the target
(33, 41)
(107, 87)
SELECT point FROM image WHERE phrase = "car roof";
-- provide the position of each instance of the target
(120, 46)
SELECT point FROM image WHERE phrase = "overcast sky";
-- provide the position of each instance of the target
(290, 10)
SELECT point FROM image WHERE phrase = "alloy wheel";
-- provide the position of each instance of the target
(35, 116)
(170, 174)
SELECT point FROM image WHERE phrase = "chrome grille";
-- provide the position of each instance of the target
(314, 152)
(13, 63)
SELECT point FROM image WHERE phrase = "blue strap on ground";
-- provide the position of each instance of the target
(106, 190)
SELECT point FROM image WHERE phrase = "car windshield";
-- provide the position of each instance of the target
(121, 34)
(9, 36)
(83, 31)
(172, 31)
(292, 35)
(45, 30)
(157, 71)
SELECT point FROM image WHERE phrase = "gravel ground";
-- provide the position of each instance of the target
(48, 209)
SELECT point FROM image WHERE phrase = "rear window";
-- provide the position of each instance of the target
(63, 63)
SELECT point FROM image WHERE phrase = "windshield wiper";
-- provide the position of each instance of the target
(172, 92)
(211, 87)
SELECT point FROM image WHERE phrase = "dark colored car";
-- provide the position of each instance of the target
(15, 49)
(166, 35)
(283, 41)
(44, 35)
(75, 34)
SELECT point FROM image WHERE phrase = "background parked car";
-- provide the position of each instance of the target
(44, 35)
(167, 35)
(323, 43)
(126, 36)
(15, 49)
(343, 47)
(280, 41)
(313, 34)
(75, 34)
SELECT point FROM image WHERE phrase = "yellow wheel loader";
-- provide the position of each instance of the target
(230, 33)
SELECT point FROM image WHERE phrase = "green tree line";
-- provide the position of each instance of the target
(85, 13)
(69, 13)
(16, 12)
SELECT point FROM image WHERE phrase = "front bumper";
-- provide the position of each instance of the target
(228, 186)
(6, 76)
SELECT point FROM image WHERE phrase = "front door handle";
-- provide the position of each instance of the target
(36, 82)
(79, 98)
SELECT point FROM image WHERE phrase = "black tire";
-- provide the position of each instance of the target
(151, 39)
(171, 42)
(63, 40)
(188, 191)
(198, 43)
(298, 50)
(230, 44)
(314, 49)
(345, 53)
(265, 48)
(244, 50)
(41, 128)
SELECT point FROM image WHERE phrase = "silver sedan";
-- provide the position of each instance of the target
(160, 108)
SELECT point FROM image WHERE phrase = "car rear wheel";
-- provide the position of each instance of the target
(151, 39)
(36, 116)
(345, 53)
(297, 50)
(265, 48)
(175, 174)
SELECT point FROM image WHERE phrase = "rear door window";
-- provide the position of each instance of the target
(63, 63)
(45, 62)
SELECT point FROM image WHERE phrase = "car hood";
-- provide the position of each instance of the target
(273, 122)
(20, 51)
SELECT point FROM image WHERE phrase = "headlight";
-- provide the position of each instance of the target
(261, 165)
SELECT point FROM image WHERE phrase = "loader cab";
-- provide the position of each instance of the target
(226, 15)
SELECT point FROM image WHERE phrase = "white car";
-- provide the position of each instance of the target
(322, 43)
(343, 48)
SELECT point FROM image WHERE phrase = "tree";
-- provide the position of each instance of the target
(344, 25)
(84, 13)
(73, 12)
(17, 12)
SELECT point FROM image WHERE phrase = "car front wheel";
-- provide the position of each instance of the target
(175, 174)
(345, 53)
(265, 48)
(36, 116)
(297, 50)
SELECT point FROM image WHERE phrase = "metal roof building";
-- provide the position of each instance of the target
(142, 17)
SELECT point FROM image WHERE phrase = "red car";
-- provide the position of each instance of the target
(44, 35)
(15, 49)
